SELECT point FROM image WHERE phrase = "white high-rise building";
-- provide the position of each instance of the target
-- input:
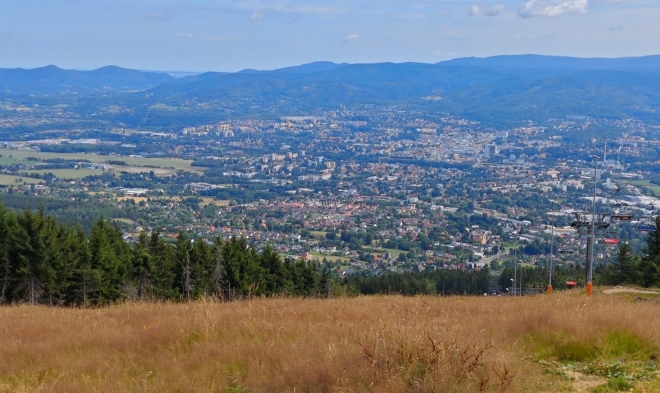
(491, 150)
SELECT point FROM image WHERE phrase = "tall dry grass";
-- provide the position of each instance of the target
(371, 344)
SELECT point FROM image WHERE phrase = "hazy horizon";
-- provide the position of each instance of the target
(182, 73)
(218, 35)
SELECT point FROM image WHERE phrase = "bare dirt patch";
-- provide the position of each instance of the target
(583, 382)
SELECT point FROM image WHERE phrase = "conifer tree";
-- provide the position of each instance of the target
(274, 272)
(162, 257)
(219, 271)
(85, 281)
(650, 261)
(111, 259)
(31, 257)
(5, 266)
(142, 265)
(626, 267)
(244, 275)
(183, 274)
(202, 269)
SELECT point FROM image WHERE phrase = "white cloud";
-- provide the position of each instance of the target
(350, 37)
(442, 54)
(319, 10)
(262, 13)
(448, 33)
(4, 32)
(494, 10)
(486, 11)
(539, 8)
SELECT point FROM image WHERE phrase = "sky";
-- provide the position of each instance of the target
(223, 35)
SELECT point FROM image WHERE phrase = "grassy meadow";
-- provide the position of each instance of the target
(647, 184)
(68, 173)
(9, 180)
(563, 342)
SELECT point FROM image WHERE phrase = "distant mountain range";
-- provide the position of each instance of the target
(51, 80)
(646, 63)
(490, 89)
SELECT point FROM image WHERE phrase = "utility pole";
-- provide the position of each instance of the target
(515, 266)
(521, 277)
(552, 248)
(590, 254)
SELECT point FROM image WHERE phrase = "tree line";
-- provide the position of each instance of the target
(436, 282)
(635, 269)
(45, 262)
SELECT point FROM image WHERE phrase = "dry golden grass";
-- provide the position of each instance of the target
(365, 344)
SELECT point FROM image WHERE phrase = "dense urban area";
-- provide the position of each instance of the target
(356, 192)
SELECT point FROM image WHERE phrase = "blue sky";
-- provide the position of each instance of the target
(219, 35)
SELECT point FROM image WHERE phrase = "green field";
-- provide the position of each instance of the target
(69, 173)
(8, 180)
(394, 252)
(647, 184)
(5, 160)
(132, 161)
(331, 258)
(124, 220)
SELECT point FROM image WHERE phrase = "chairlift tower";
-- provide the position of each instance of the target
(552, 247)
(590, 255)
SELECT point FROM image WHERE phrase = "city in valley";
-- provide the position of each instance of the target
(329, 196)
(362, 192)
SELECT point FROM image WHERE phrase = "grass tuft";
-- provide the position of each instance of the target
(619, 384)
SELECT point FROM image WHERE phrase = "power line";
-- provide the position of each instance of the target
(631, 180)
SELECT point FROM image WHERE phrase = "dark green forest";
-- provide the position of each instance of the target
(45, 262)
(631, 269)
